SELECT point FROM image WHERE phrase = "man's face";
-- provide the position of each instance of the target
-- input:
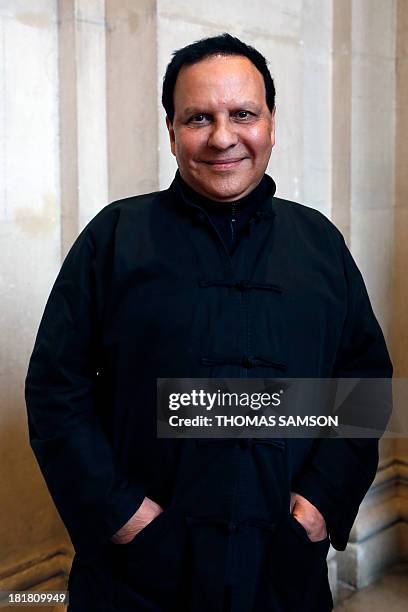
(223, 131)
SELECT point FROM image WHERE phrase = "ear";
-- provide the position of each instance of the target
(273, 126)
(171, 136)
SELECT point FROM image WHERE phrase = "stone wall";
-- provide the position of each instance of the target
(82, 125)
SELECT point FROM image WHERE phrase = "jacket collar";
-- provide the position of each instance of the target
(184, 193)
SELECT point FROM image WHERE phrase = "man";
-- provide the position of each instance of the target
(213, 277)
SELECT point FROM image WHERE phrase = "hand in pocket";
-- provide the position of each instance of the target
(147, 511)
(309, 517)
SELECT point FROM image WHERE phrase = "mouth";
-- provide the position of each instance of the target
(224, 164)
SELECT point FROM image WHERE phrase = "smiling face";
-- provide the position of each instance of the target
(223, 131)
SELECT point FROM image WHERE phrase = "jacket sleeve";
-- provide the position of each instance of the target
(341, 470)
(92, 494)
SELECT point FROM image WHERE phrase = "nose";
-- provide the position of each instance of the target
(223, 135)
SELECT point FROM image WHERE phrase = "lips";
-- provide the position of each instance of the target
(224, 164)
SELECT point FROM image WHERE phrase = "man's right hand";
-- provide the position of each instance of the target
(144, 515)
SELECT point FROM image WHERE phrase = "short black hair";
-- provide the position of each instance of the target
(224, 44)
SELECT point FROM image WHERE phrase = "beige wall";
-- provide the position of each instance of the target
(82, 124)
(30, 258)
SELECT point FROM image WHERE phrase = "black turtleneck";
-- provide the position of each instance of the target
(230, 218)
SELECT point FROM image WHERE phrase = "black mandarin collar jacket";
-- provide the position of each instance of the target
(230, 219)
(150, 290)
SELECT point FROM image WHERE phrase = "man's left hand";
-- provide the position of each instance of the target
(308, 516)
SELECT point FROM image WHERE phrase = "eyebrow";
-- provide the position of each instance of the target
(246, 104)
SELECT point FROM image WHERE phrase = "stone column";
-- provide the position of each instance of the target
(107, 67)
(131, 97)
(400, 286)
(364, 82)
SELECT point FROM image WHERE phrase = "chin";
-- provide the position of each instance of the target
(230, 194)
(223, 190)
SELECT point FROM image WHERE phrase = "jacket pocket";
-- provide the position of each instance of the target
(298, 569)
(152, 564)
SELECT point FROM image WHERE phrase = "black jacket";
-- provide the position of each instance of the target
(149, 290)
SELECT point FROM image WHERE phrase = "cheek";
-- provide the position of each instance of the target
(189, 145)
(259, 141)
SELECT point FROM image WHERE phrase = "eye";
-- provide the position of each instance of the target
(199, 118)
(243, 114)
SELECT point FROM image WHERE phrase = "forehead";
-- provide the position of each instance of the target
(219, 80)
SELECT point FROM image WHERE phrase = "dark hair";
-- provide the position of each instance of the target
(224, 44)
